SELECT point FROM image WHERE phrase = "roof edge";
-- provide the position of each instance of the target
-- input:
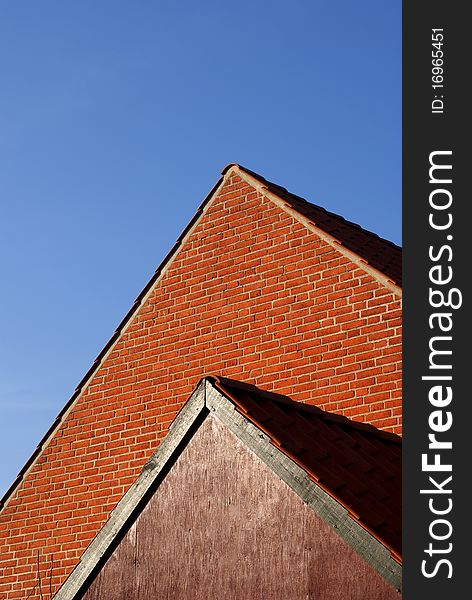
(131, 501)
(355, 533)
(83, 383)
(261, 184)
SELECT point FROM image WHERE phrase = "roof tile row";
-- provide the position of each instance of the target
(355, 463)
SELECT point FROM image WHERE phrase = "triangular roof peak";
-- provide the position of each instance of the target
(349, 475)
(379, 257)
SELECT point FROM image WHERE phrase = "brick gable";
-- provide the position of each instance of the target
(253, 294)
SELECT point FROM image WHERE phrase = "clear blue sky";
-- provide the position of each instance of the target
(115, 121)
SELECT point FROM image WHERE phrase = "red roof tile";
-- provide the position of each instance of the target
(379, 253)
(355, 463)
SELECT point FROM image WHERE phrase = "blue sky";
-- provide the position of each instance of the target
(115, 121)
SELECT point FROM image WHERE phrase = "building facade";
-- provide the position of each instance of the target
(262, 287)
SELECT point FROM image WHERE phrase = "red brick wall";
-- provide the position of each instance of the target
(253, 295)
